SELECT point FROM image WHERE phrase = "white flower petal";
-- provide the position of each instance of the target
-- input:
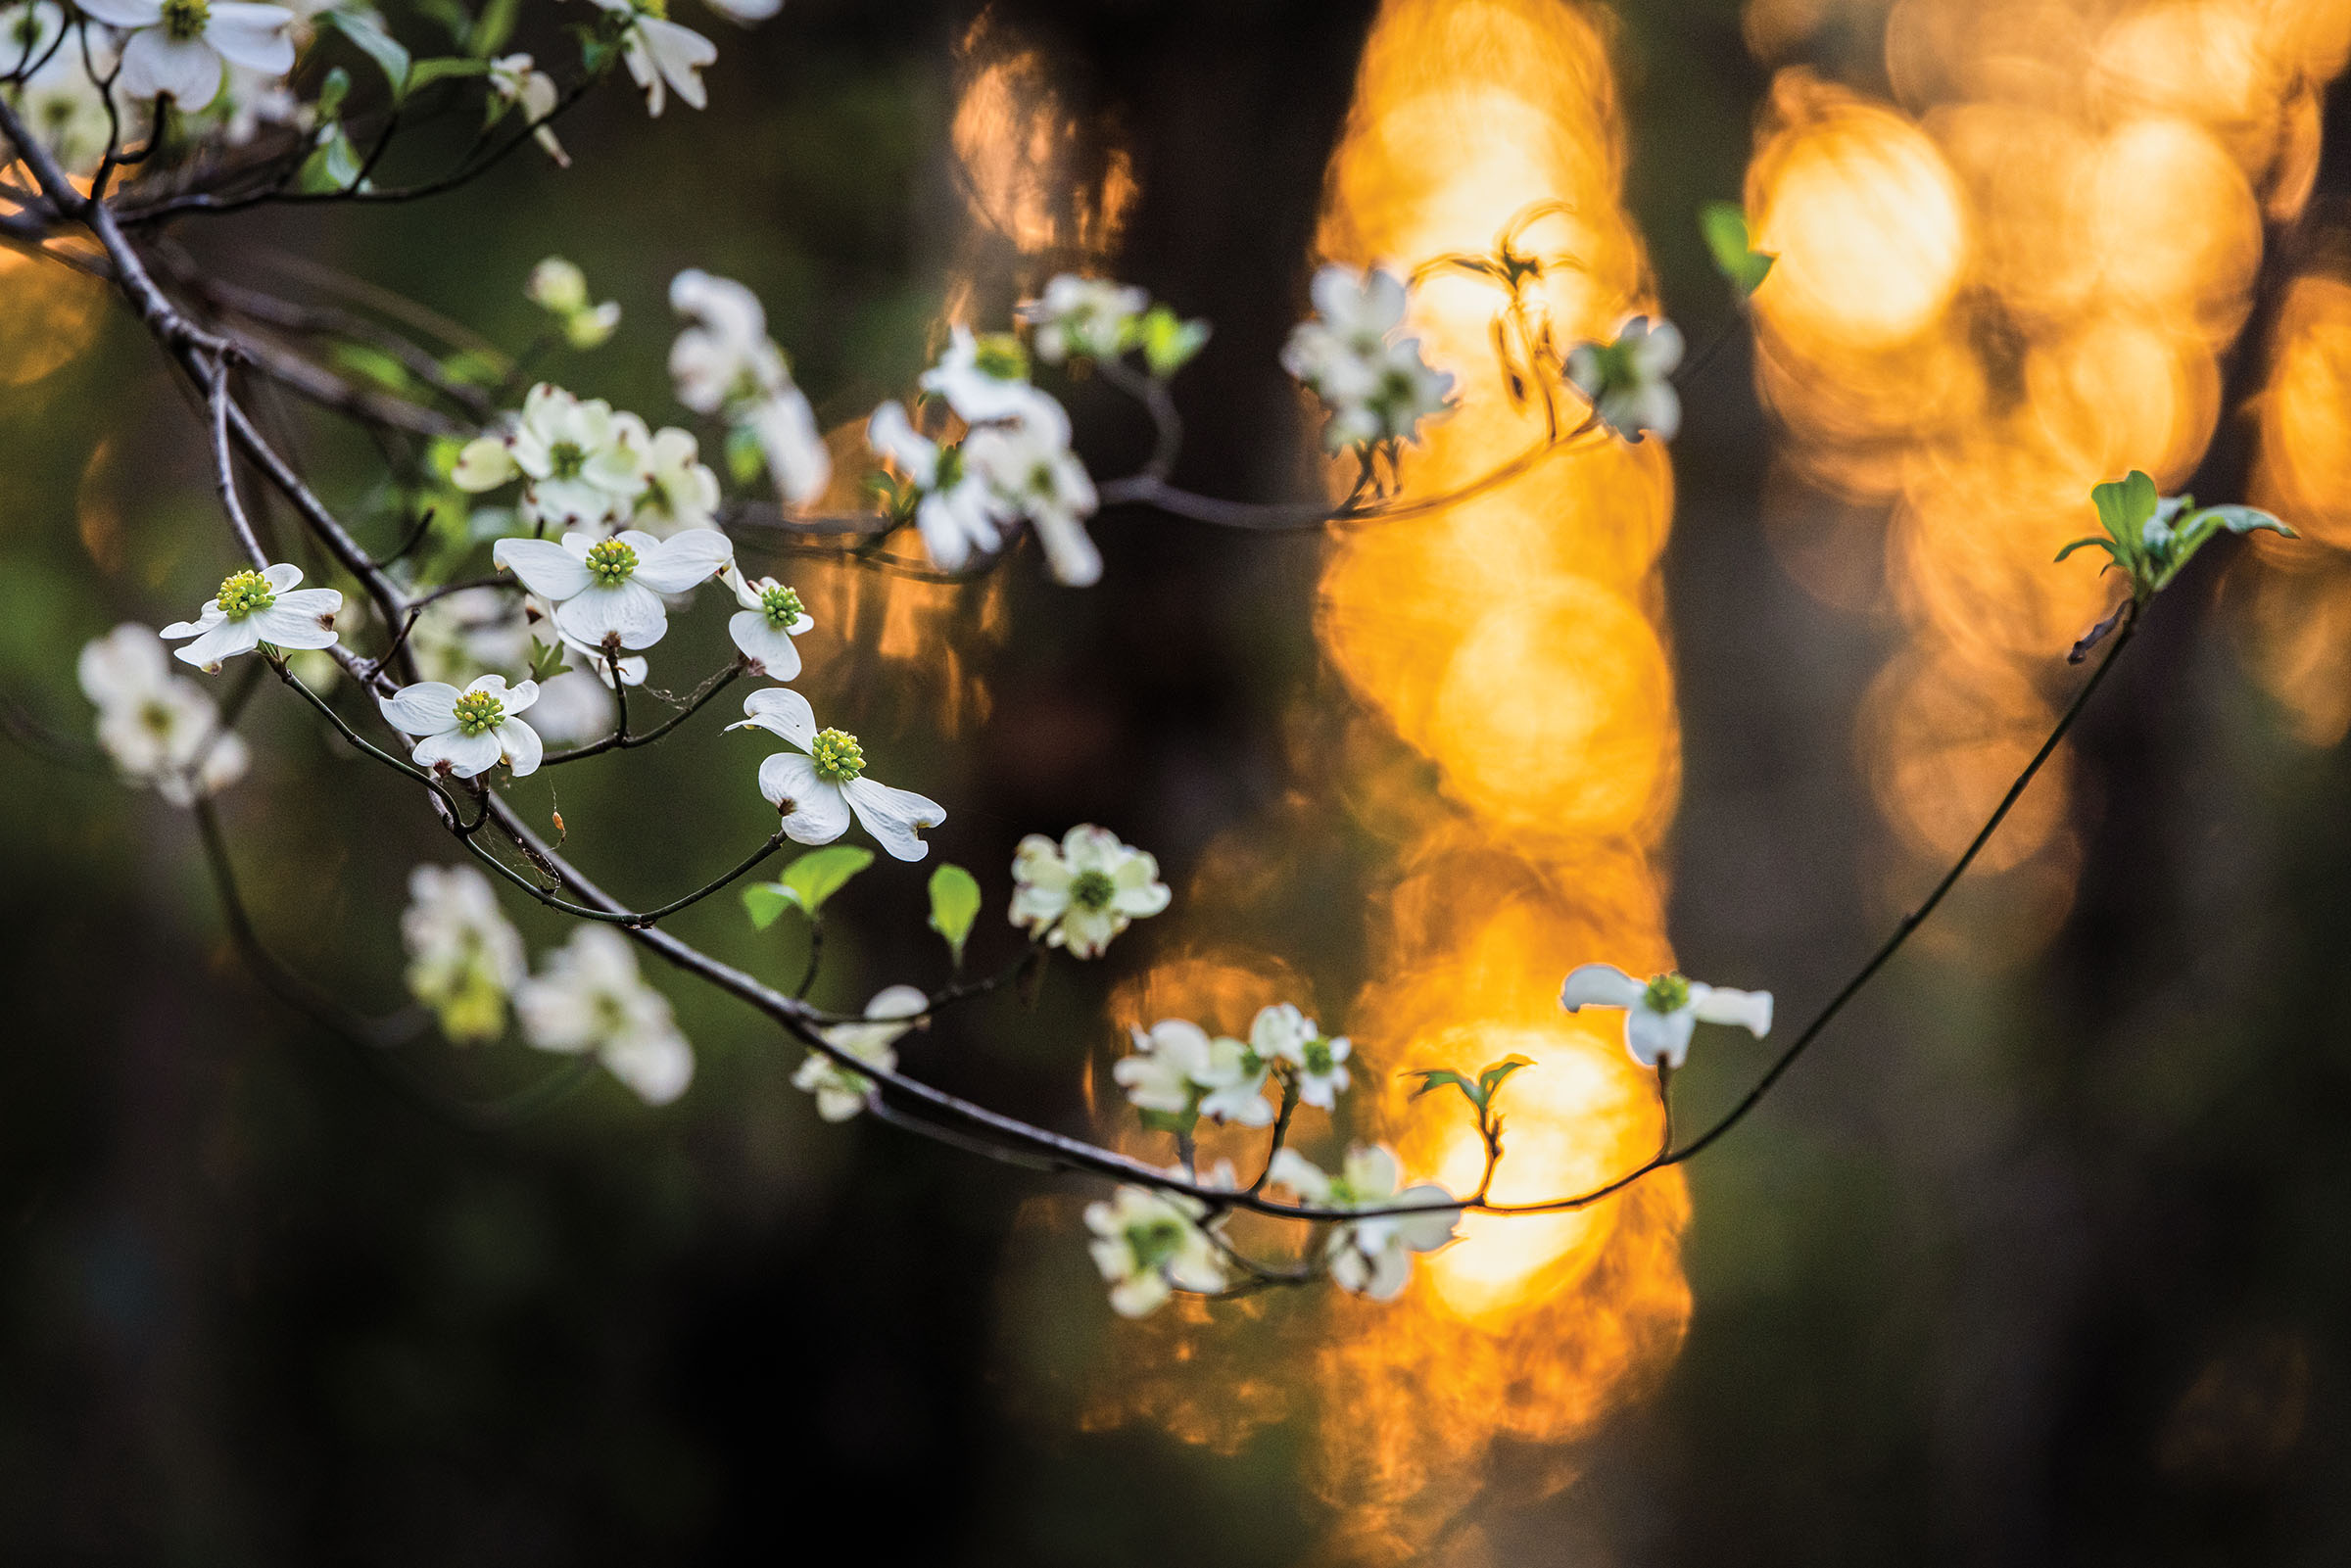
(546, 568)
(1653, 1037)
(894, 817)
(628, 609)
(520, 747)
(685, 560)
(224, 639)
(1748, 1010)
(1599, 985)
(772, 652)
(300, 620)
(467, 755)
(189, 70)
(814, 812)
(252, 36)
(781, 710)
(426, 708)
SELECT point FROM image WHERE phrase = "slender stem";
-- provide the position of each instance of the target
(621, 740)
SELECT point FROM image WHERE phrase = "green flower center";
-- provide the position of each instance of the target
(1667, 993)
(1316, 1054)
(1001, 354)
(156, 718)
(949, 473)
(657, 9)
(782, 607)
(1155, 1242)
(244, 593)
(610, 562)
(478, 711)
(836, 755)
(568, 458)
(1092, 889)
(184, 20)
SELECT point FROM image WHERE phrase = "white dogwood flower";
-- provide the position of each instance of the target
(982, 378)
(589, 997)
(723, 361)
(160, 728)
(560, 288)
(819, 791)
(465, 956)
(1082, 318)
(580, 465)
(1083, 890)
(1629, 381)
(1282, 1033)
(1370, 1257)
(254, 608)
(179, 47)
(841, 1091)
(953, 507)
(772, 615)
(1148, 1246)
(612, 587)
(470, 731)
(1661, 1013)
(659, 53)
(1178, 1069)
(680, 489)
(517, 80)
(1377, 386)
(1031, 472)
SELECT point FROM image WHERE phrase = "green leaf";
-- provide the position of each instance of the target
(332, 93)
(765, 901)
(1724, 225)
(2124, 507)
(2244, 520)
(745, 459)
(378, 45)
(2106, 544)
(1439, 1078)
(493, 28)
(954, 905)
(1167, 342)
(2192, 532)
(374, 365)
(820, 874)
(453, 18)
(425, 72)
(334, 167)
(546, 662)
(1491, 1079)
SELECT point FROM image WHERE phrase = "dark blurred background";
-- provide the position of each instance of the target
(2040, 1259)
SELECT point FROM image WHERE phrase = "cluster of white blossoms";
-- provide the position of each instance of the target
(560, 288)
(1629, 381)
(841, 1092)
(1375, 383)
(160, 728)
(1177, 1071)
(1150, 1244)
(1662, 1011)
(1084, 891)
(1371, 1257)
(724, 365)
(588, 998)
(1013, 465)
(586, 468)
(465, 956)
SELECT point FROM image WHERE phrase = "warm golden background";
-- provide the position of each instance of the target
(2036, 1261)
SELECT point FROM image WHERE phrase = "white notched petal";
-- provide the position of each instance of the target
(426, 708)
(153, 63)
(657, 1064)
(795, 449)
(124, 666)
(817, 812)
(546, 568)
(224, 639)
(467, 754)
(892, 436)
(1301, 1175)
(519, 745)
(628, 609)
(771, 652)
(1599, 985)
(127, 13)
(1070, 551)
(1654, 1037)
(1747, 1010)
(894, 817)
(679, 53)
(1426, 1232)
(252, 36)
(300, 620)
(780, 710)
(685, 560)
